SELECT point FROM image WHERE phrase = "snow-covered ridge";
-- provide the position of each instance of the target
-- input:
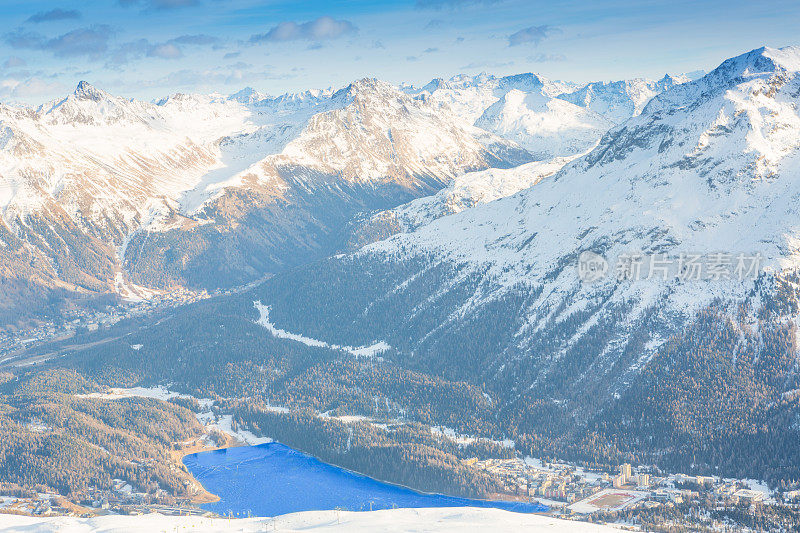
(469, 96)
(468, 191)
(139, 158)
(709, 166)
(131, 149)
(549, 118)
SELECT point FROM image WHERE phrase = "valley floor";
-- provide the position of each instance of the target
(438, 520)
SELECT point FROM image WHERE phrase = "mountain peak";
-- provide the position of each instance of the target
(367, 83)
(787, 57)
(756, 62)
(248, 95)
(525, 82)
(761, 63)
(669, 81)
(364, 86)
(432, 85)
(86, 90)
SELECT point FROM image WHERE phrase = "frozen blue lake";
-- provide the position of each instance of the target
(273, 479)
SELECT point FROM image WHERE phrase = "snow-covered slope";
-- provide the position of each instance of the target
(709, 166)
(469, 96)
(464, 192)
(87, 179)
(531, 109)
(522, 108)
(547, 127)
(434, 520)
(271, 124)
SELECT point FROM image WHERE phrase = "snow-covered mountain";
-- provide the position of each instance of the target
(108, 195)
(366, 132)
(619, 100)
(365, 147)
(94, 187)
(556, 121)
(117, 152)
(469, 96)
(708, 167)
(547, 127)
(464, 192)
(549, 118)
(522, 108)
(79, 174)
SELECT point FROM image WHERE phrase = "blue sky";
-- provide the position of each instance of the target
(151, 48)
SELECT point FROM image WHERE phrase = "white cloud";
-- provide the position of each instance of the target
(532, 34)
(13, 62)
(30, 87)
(323, 28)
(165, 51)
(546, 58)
(91, 41)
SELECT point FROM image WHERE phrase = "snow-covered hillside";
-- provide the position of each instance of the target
(708, 168)
(547, 127)
(464, 192)
(443, 520)
(522, 108)
(85, 181)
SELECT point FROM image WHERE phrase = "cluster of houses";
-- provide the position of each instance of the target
(91, 320)
(570, 487)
